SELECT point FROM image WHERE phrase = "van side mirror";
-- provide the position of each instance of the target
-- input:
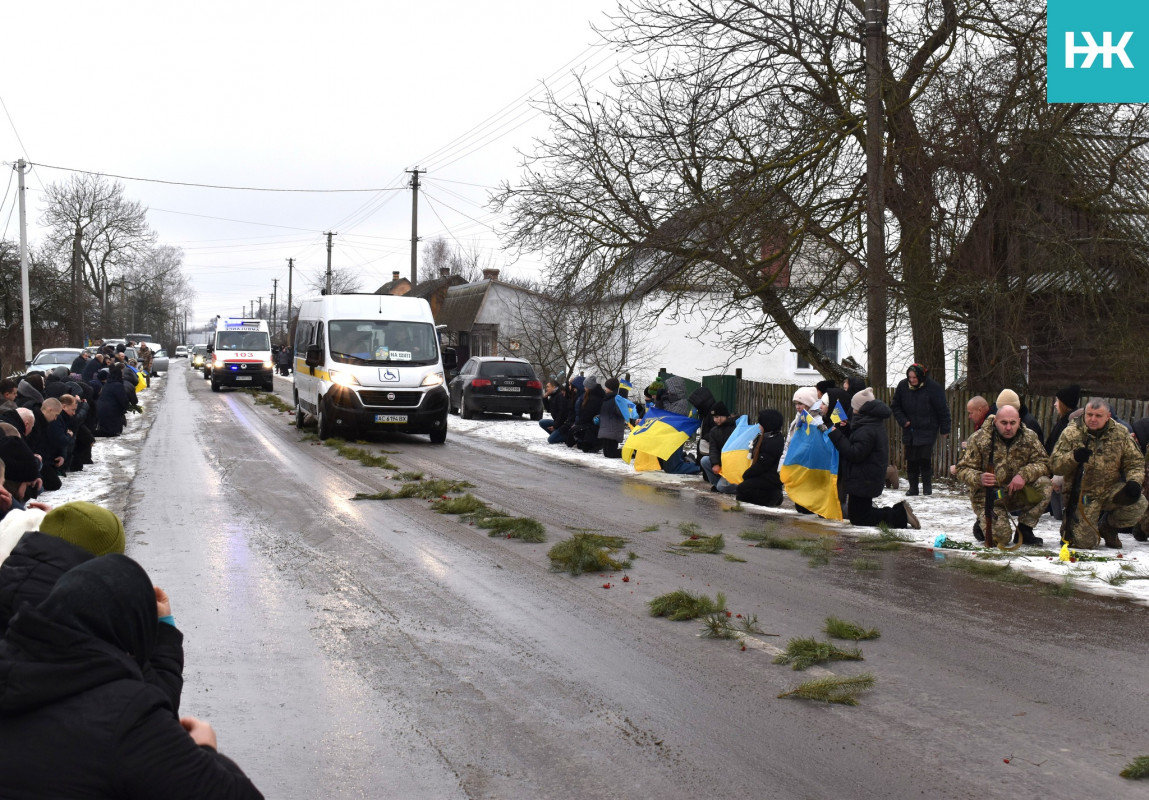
(314, 356)
(450, 358)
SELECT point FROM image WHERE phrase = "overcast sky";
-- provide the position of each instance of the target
(345, 94)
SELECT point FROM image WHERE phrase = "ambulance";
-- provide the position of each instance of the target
(370, 362)
(240, 354)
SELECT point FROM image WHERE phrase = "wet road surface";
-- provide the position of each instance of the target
(377, 649)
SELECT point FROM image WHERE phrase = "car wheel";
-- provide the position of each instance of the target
(440, 436)
(464, 409)
(325, 420)
(536, 415)
(269, 386)
(451, 407)
(214, 386)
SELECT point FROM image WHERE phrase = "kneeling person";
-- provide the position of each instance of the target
(1007, 456)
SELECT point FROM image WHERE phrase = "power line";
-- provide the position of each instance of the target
(238, 221)
(212, 185)
(460, 213)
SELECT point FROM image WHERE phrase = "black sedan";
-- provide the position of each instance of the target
(489, 383)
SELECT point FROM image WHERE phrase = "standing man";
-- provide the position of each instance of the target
(1007, 458)
(921, 410)
(1103, 470)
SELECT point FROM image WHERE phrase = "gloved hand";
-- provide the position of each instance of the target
(1081, 455)
(1128, 494)
(595, 420)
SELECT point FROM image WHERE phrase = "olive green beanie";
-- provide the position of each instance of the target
(85, 525)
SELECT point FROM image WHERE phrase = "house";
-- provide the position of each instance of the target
(395, 286)
(480, 317)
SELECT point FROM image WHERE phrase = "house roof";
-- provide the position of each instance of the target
(462, 305)
(390, 286)
(425, 289)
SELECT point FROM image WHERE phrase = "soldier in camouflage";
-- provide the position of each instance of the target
(1111, 469)
(1005, 456)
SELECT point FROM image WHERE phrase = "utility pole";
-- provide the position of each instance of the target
(259, 308)
(415, 222)
(274, 309)
(25, 294)
(329, 234)
(250, 309)
(875, 196)
(290, 266)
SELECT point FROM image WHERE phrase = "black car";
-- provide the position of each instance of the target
(489, 383)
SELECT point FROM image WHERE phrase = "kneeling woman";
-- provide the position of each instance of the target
(761, 484)
(864, 446)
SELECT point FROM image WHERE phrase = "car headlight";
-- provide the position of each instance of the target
(434, 379)
(344, 379)
(217, 362)
(268, 365)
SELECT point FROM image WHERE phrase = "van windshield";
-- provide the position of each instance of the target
(383, 342)
(242, 340)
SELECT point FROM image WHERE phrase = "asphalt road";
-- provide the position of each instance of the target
(377, 649)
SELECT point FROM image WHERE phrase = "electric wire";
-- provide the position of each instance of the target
(212, 185)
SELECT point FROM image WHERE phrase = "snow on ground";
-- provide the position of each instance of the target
(947, 511)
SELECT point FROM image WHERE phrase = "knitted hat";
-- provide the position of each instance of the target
(612, 384)
(86, 525)
(807, 396)
(719, 409)
(861, 398)
(770, 420)
(20, 466)
(1070, 395)
(590, 382)
(1008, 397)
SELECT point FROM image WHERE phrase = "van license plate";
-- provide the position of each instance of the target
(390, 417)
(243, 377)
(508, 388)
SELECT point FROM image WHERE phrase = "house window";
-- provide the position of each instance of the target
(826, 341)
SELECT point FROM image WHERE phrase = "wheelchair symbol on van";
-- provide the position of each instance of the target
(388, 375)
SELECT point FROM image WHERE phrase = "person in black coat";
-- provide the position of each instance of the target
(557, 405)
(586, 431)
(78, 718)
(81, 361)
(761, 484)
(864, 447)
(922, 412)
(722, 424)
(112, 405)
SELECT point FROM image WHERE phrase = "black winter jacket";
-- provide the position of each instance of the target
(864, 446)
(111, 407)
(925, 409)
(77, 718)
(717, 437)
(761, 484)
(558, 406)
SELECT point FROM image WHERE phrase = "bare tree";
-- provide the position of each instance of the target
(98, 233)
(343, 280)
(439, 254)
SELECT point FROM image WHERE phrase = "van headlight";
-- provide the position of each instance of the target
(344, 379)
(268, 365)
(217, 362)
(434, 379)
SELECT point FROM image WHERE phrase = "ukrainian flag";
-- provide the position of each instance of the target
(629, 410)
(739, 449)
(658, 435)
(810, 472)
(838, 414)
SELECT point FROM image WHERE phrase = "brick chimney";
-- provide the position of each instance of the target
(395, 275)
(490, 274)
(444, 272)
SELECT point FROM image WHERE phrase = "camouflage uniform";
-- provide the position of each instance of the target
(1114, 460)
(1023, 455)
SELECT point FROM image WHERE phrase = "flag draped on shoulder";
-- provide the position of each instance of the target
(810, 471)
(658, 435)
(629, 410)
(738, 450)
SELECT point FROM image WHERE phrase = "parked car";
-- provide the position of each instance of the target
(159, 362)
(53, 357)
(495, 384)
(181, 351)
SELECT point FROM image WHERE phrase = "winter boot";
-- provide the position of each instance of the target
(1025, 534)
(977, 534)
(927, 482)
(1139, 532)
(911, 518)
(1108, 533)
(912, 475)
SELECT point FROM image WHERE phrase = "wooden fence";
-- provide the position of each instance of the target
(752, 397)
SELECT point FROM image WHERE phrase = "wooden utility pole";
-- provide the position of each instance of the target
(415, 222)
(274, 309)
(329, 234)
(876, 326)
(25, 294)
(290, 267)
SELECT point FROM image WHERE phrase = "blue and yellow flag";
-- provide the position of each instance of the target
(838, 414)
(628, 409)
(739, 449)
(659, 435)
(810, 472)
